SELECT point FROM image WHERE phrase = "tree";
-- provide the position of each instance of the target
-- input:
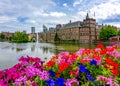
(56, 38)
(118, 33)
(2, 36)
(20, 37)
(107, 32)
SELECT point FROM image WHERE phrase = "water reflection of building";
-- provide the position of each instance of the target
(85, 31)
(33, 48)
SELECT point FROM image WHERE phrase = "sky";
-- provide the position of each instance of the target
(19, 15)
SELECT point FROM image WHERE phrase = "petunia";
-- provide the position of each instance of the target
(59, 82)
(82, 68)
(93, 62)
(52, 73)
(50, 82)
(90, 78)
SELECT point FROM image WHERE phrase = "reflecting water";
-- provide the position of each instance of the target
(11, 52)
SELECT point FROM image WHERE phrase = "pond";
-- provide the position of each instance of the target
(11, 52)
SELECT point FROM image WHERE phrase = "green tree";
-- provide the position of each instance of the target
(56, 38)
(2, 36)
(118, 33)
(107, 32)
(19, 37)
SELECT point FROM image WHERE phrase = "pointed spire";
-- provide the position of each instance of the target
(87, 16)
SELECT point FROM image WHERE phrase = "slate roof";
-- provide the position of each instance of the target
(73, 24)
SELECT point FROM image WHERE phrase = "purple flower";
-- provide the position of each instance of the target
(50, 82)
(52, 73)
(90, 78)
(59, 82)
(82, 68)
(93, 62)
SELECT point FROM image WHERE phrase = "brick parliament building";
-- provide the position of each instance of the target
(86, 31)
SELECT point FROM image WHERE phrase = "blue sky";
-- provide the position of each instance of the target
(19, 15)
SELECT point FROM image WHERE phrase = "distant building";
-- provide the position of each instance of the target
(24, 31)
(51, 29)
(32, 29)
(58, 26)
(86, 31)
(114, 38)
(45, 29)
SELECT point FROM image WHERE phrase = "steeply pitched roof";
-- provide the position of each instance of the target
(72, 24)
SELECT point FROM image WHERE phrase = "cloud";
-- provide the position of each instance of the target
(4, 19)
(77, 2)
(65, 5)
(16, 14)
(51, 14)
(57, 14)
(20, 14)
(102, 11)
(106, 10)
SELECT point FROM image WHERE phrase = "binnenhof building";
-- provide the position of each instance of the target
(86, 31)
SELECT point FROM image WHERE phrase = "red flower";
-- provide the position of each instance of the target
(102, 52)
(50, 63)
(63, 66)
(100, 46)
(57, 75)
(115, 72)
(109, 61)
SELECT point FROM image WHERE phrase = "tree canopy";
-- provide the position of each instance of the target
(107, 32)
(118, 33)
(2, 36)
(20, 37)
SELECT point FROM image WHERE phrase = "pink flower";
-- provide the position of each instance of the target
(71, 82)
(44, 75)
(63, 54)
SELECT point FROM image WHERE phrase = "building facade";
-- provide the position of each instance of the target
(32, 29)
(84, 31)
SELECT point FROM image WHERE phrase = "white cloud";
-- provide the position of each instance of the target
(105, 10)
(65, 5)
(4, 19)
(77, 2)
(57, 14)
(51, 14)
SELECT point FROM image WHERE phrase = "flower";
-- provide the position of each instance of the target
(72, 82)
(82, 68)
(50, 63)
(50, 82)
(44, 75)
(100, 46)
(90, 78)
(59, 82)
(63, 66)
(93, 62)
(52, 73)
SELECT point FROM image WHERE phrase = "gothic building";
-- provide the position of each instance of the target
(84, 31)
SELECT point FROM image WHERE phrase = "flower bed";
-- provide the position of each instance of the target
(86, 67)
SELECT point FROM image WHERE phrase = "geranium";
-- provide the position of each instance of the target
(63, 66)
(100, 46)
